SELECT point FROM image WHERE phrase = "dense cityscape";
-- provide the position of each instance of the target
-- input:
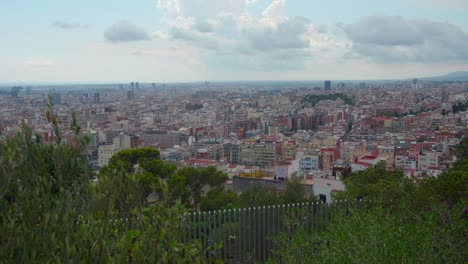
(260, 133)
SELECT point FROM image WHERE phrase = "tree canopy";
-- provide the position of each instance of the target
(314, 99)
(52, 211)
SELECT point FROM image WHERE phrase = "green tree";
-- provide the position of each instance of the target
(128, 158)
(158, 168)
(258, 196)
(315, 99)
(53, 212)
(461, 150)
(192, 181)
(129, 188)
(295, 191)
(218, 198)
(376, 184)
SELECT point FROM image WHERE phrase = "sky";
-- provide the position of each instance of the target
(98, 41)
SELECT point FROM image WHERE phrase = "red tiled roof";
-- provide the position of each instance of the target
(362, 163)
(367, 158)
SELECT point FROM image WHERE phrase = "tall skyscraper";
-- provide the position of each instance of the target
(130, 95)
(132, 85)
(327, 85)
(137, 85)
(96, 98)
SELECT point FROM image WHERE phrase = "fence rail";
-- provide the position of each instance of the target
(247, 235)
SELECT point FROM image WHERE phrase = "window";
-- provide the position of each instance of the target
(323, 198)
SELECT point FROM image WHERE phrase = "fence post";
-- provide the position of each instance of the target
(225, 241)
(245, 237)
(268, 237)
(209, 237)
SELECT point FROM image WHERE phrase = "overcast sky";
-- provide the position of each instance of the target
(193, 40)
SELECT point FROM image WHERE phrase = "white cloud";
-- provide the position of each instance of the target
(396, 39)
(125, 31)
(170, 6)
(159, 35)
(224, 29)
(275, 11)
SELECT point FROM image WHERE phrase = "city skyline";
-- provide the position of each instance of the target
(192, 40)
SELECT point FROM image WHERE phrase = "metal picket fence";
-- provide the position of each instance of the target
(247, 235)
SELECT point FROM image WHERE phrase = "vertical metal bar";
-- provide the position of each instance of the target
(250, 233)
(301, 216)
(317, 218)
(245, 237)
(215, 236)
(268, 237)
(194, 224)
(307, 217)
(298, 214)
(220, 234)
(264, 239)
(289, 219)
(219, 238)
(345, 207)
(224, 235)
(327, 215)
(258, 222)
(229, 234)
(322, 216)
(283, 219)
(299, 225)
(200, 227)
(210, 238)
(239, 232)
(311, 218)
(254, 235)
(276, 221)
(213, 229)
(292, 216)
(276, 218)
(319, 211)
(204, 233)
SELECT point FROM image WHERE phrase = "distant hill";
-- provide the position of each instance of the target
(453, 76)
